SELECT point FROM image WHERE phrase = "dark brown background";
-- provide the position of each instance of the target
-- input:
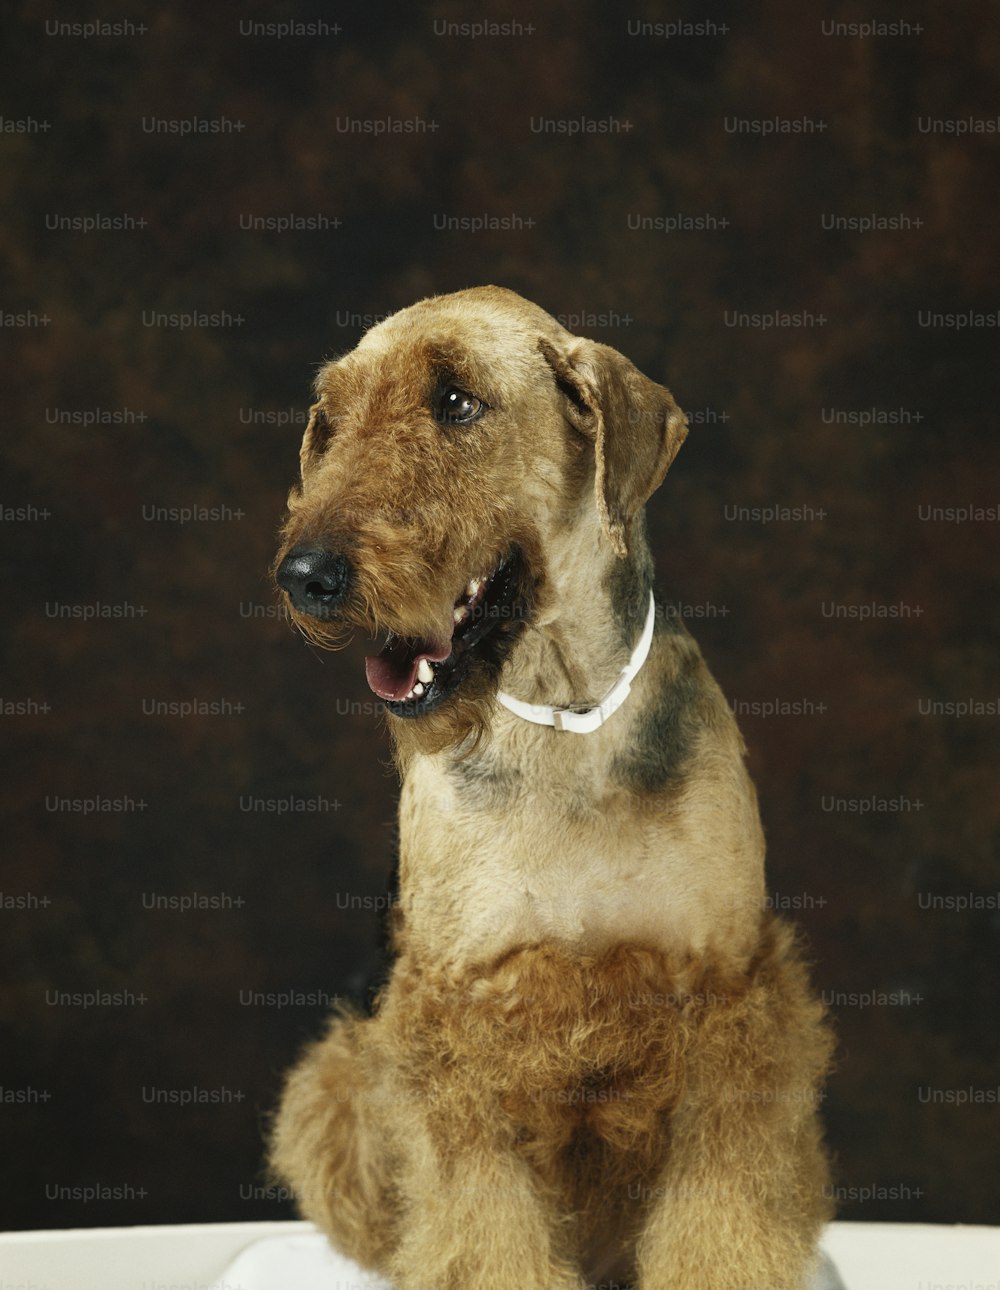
(770, 428)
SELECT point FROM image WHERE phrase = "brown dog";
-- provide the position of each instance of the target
(597, 1058)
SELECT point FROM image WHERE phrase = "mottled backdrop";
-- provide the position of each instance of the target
(785, 215)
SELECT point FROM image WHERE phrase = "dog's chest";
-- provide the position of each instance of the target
(489, 862)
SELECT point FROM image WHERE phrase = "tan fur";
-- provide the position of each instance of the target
(597, 1057)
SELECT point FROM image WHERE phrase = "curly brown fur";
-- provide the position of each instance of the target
(596, 1058)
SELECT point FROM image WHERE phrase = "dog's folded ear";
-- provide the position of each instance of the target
(634, 424)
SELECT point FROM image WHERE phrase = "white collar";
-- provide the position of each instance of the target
(582, 723)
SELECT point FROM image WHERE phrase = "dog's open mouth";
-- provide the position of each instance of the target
(414, 676)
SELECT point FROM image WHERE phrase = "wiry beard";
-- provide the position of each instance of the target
(339, 629)
(460, 725)
(463, 721)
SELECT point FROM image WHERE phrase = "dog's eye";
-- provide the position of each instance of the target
(455, 407)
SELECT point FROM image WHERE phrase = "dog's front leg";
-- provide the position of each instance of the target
(743, 1196)
(720, 1229)
(475, 1219)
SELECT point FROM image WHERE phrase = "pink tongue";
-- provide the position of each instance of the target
(392, 673)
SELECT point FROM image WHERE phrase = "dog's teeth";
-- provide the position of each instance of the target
(425, 672)
(461, 613)
(416, 692)
(473, 587)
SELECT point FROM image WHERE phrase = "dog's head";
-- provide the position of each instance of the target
(463, 454)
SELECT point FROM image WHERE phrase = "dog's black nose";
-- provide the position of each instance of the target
(316, 580)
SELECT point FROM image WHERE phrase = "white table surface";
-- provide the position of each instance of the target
(293, 1256)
